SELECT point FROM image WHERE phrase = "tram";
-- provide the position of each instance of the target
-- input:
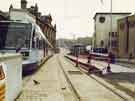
(27, 39)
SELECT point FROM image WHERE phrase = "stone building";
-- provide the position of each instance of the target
(126, 37)
(49, 29)
(102, 34)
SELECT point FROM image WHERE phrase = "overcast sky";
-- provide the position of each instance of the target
(74, 17)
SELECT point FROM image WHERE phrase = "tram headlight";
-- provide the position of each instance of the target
(25, 55)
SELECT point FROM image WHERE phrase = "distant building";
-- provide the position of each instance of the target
(126, 36)
(78, 49)
(102, 34)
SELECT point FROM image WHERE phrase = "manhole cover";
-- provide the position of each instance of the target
(74, 72)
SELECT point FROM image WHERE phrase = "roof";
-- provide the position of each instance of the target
(23, 10)
(13, 21)
(113, 13)
(4, 15)
(132, 15)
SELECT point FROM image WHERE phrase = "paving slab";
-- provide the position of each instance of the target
(47, 84)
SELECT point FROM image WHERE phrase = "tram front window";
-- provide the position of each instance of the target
(15, 35)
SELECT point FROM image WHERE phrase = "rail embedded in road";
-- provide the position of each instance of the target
(86, 87)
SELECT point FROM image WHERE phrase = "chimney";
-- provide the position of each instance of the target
(11, 7)
(23, 4)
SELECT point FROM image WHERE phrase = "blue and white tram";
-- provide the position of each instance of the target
(27, 39)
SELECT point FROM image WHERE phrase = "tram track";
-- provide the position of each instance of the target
(68, 80)
(104, 85)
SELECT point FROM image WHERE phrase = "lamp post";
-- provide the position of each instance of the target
(76, 50)
(110, 39)
(110, 25)
(110, 46)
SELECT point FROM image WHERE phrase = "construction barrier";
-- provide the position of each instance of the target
(10, 76)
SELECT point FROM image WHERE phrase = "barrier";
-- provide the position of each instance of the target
(12, 65)
(109, 61)
(77, 61)
(92, 67)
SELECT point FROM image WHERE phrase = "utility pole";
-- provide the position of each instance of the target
(74, 39)
(110, 39)
(110, 42)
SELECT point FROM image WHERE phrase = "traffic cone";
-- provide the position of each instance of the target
(109, 67)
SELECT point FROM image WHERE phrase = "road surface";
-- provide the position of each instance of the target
(59, 80)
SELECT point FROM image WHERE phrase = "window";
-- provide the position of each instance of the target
(102, 19)
(122, 26)
(109, 34)
(15, 35)
(33, 39)
(102, 43)
(114, 43)
(132, 24)
(113, 34)
(37, 43)
(116, 34)
(41, 44)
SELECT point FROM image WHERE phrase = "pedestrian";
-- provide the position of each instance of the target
(130, 56)
(89, 58)
(108, 70)
(109, 60)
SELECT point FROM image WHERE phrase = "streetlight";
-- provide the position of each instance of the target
(76, 50)
(74, 39)
(110, 24)
(110, 45)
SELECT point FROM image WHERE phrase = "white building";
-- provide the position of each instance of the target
(102, 28)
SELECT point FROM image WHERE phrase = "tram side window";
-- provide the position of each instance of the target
(37, 43)
(33, 40)
(3, 33)
(41, 42)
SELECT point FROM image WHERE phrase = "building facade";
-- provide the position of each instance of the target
(103, 36)
(126, 37)
(49, 29)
